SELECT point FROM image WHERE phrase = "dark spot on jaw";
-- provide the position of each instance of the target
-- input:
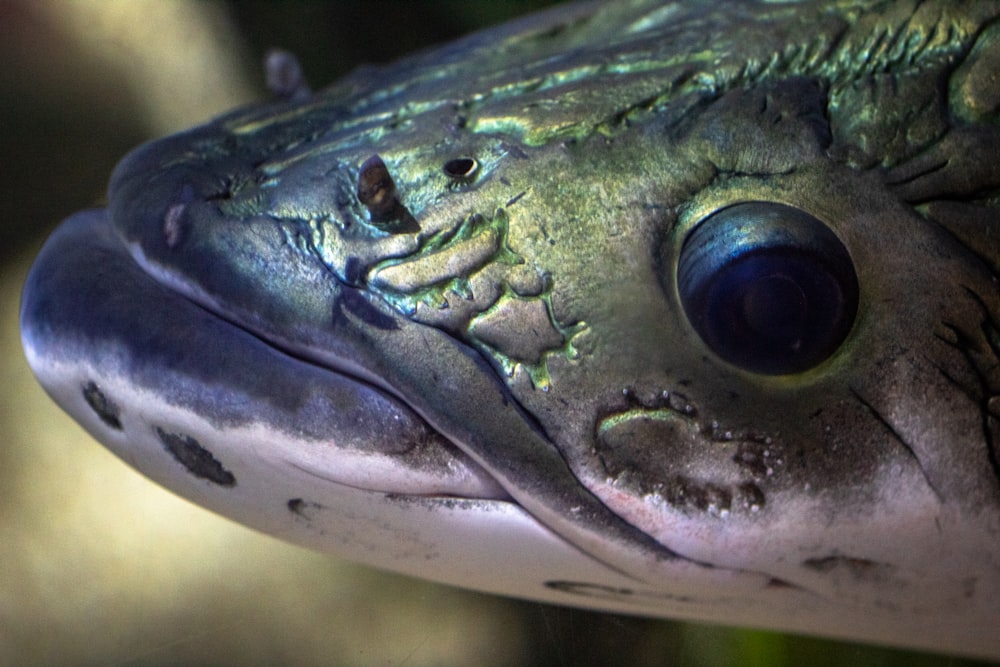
(301, 507)
(107, 410)
(198, 460)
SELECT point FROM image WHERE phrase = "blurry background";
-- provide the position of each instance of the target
(99, 566)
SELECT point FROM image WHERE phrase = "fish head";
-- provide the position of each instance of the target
(606, 322)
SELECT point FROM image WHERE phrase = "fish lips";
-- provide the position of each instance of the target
(106, 339)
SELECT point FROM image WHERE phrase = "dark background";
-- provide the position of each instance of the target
(98, 566)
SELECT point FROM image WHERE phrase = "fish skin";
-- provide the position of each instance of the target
(531, 313)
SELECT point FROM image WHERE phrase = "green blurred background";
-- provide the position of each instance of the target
(99, 566)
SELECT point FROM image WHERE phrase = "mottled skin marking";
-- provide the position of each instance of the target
(106, 410)
(198, 460)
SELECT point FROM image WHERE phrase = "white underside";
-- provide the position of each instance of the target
(486, 544)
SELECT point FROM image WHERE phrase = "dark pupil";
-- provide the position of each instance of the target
(768, 287)
(775, 308)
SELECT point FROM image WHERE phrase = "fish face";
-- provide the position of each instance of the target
(667, 309)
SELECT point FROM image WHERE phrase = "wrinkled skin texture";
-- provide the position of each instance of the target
(501, 284)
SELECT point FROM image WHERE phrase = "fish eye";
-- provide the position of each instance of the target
(768, 287)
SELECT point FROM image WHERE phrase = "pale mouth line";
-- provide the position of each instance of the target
(399, 494)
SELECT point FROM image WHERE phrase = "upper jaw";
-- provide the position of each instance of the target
(110, 344)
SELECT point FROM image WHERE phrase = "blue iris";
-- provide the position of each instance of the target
(768, 287)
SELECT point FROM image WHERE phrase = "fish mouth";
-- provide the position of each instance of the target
(218, 416)
(267, 432)
(229, 421)
(326, 295)
(91, 311)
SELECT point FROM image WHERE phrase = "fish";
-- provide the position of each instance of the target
(678, 309)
